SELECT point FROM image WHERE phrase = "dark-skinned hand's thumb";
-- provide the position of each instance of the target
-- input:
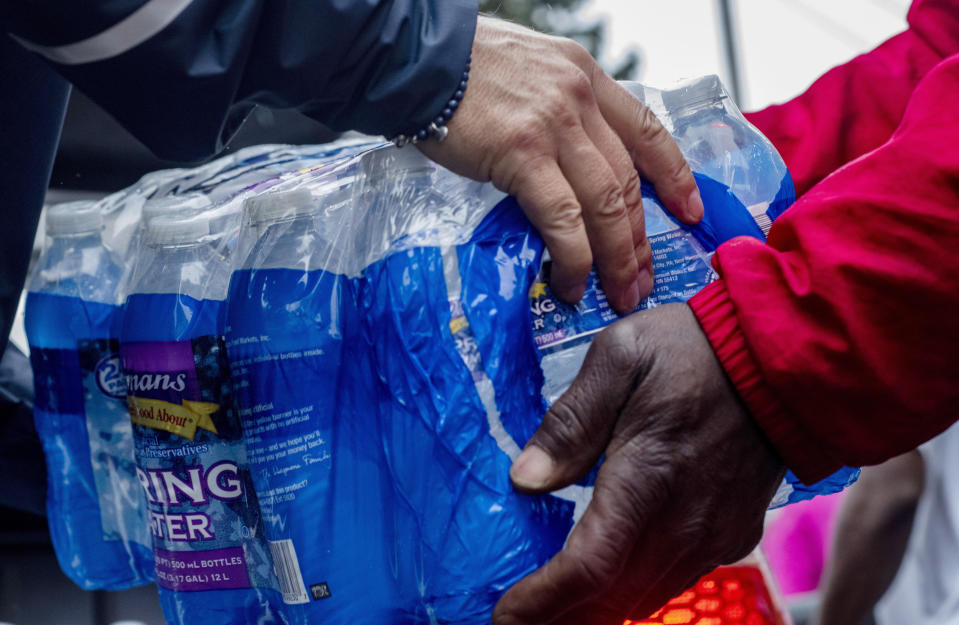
(577, 428)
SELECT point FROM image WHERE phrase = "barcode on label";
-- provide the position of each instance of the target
(764, 223)
(758, 211)
(287, 569)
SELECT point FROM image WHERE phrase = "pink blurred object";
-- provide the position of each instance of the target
(797, 543)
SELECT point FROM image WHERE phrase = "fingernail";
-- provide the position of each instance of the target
(644, 283)
(694, 206)
(533, 469)
(631, 298)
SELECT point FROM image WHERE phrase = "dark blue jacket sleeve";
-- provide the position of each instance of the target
(183, 82)
(33, 100)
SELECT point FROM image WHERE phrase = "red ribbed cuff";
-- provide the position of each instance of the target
(717, 317)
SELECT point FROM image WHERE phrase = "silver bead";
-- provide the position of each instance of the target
(440, 132)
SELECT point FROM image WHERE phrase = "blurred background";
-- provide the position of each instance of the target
(765, 51)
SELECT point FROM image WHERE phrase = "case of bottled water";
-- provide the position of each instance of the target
(328, 438)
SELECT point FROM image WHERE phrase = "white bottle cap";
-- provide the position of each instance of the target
(193, 202)
(692, 94)
(392, 161)
(177, 229)
(73, 218)
(279, 205)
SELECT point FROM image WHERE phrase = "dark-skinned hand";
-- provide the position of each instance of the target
(684, 486)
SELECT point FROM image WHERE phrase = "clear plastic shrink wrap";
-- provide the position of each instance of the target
(98, 517)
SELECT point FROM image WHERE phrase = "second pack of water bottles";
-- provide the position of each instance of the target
(329, 359)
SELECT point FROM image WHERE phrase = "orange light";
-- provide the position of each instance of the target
(710, 620)
(734, 612)
(732, 591)
(683, 599)
(708, 587)
(708, 605)
(682, 616)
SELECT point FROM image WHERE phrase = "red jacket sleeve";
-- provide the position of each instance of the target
(841, 333)
(855, 107)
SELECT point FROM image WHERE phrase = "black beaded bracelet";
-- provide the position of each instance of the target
(437, 128)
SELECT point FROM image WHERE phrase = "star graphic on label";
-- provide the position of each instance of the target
(537, 290)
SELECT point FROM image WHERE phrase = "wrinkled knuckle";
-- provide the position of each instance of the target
(580, 88)
(567, 215)
(643, 251)
(621, 357)
(561, 114)
(681, 172)
(633, 189)
(618, 344)
(647, 127)
(612, 205)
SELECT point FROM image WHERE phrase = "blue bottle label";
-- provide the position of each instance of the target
(202, 511)
(288, 381)
(681, 270)
(681, 265)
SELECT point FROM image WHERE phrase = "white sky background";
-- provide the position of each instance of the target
(783, 45)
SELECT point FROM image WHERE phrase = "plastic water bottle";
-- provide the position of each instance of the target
(171, 205)
(440, 574)
(430, 303)
(718, 142)
(95, 509)
(212, 564)
(290, 313)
